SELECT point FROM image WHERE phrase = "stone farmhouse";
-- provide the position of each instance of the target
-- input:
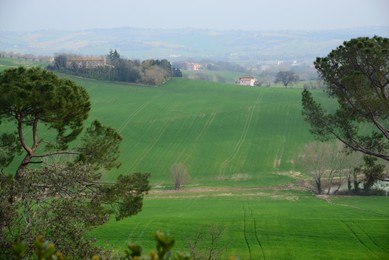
(86, 62)
(246, 81)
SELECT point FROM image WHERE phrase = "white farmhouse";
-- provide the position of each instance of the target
(246, 81)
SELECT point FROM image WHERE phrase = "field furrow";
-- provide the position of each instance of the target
(149, 149)
(134, 113)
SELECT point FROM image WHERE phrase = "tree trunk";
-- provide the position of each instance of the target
(318, 185)
(349, 182)
(340, 182)
(330, 179)
(23, 166)
(356, 183)
(30, 150)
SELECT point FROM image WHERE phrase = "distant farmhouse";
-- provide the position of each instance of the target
(187, 65)
(193, 66)
(86, 62)
(246, 81)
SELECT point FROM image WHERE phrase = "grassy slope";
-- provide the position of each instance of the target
(6, 63)
(215, 76)
(220, 132)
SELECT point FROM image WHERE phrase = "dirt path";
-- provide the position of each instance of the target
(227, 189)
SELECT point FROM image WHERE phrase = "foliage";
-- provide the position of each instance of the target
(56, 190)
(206, 244)
(372, 172)
(45, 250)
(286, 77)
(357, 77)
(151, 72)
(177, 73)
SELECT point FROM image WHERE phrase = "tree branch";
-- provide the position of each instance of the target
(21, 137)
(36, 162)
(55, 153)
(35, 135)
(380, 126)
(359, 148)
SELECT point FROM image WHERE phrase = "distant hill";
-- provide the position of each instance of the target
(236, 45)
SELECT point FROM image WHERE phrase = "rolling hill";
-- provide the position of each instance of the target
(231, 45)
(222, 133)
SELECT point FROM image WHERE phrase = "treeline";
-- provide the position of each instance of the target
(115, 68)
(22, 56)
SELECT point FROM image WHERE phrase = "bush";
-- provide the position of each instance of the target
(45, 250)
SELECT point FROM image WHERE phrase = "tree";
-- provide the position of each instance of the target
(56, 190)
(179, 175)
(207, 245)
(44, 250)
(177, 73)
(60, 62)
(372, 172)
(154, 75)
(113, 57)
(286, 77)
(317, 158)
(357, 77)
(327, 161)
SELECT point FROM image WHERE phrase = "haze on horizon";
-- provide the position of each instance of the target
(33, 15)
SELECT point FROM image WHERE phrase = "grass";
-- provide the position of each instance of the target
(230, 137)
(215, 76)
(7, 63)
(219, 131)
(287, 224)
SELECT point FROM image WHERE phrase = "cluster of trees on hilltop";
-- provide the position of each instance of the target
(151, 72)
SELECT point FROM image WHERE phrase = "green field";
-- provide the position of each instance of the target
(280, 224)
(215, 76)
(239, 145)
(224, 134)
(7, 63)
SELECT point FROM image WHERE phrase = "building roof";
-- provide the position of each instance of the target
(247, 77)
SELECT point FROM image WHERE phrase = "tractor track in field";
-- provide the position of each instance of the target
(358, 238)
(245, 232)
(240, 141)
(135, 112)
(183, 155)
(255, 231)
(367, 235)
(242, 137)
(148, 150)
(207, 124)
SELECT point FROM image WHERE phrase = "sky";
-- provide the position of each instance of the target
(32, 15)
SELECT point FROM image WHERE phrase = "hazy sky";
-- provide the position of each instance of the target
(28, 15)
